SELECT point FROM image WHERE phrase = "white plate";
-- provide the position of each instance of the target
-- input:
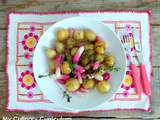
(92, 98)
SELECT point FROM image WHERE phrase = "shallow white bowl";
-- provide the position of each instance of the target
(50, 88)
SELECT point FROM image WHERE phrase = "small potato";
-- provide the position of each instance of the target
(89, 46)
(79, 35)
(50, 53)
(59, 47)
(52, 66)
(88, 83)
(103, 86)
(100, 57)
(85, 61)
(72, 84)
(109, 60)
(62, 34)
(100, 43)
(65, 68)
(70, 43)
(74, 51)
(100, 50)
(89, 35)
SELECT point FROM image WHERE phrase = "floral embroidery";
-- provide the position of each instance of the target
(30, 41)
(30, 94)
(30, 65)
(27, 80)
(127, 83)
(27, 55)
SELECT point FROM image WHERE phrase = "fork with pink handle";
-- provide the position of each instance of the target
(126, 43)
(143, 73)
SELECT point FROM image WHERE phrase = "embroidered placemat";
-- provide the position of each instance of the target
(24, 31)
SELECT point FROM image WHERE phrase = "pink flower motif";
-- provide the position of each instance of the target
(27, 80)
(30, 94)
(30, 65)
(27, 55)
(32, 28)
(125, 93)
(30, 41)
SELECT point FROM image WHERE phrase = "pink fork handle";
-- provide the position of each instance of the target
(144, 80)
(136, 78)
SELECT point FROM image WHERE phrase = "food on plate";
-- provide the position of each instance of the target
(103, 86)
(88, 83)
(90, 35)
(79, 60)
(62, 34)
(109, 60)
(72, 84)
(50, 53)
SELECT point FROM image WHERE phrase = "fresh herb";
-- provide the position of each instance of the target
(41, 76)
(115, 69)
(65, 94)
(69, 60)
(102, 69)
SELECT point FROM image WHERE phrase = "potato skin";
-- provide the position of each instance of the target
(100, 50)
(72, 85)
(65, 68)
(50, 53)
(70, 42)
(62, 34)
(89, 35)
(103, 86)
(100, 57)
(74, 51)
(88, 83)
(59, 47)
(101, 43)
(52, 65)
(79, 35)
(109, 60)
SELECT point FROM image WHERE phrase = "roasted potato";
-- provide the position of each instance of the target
(100, 50)
(65, 68)
(101, 43)
(100, 57)
(84, 61)
(59, 47)
(78, 35)
(72, 85)
(89, 46)
(52, 65)
(88, 83)
(62, 34)
(70, 42)
(74, 51)
(109, 60)
(89, 35)
(103, 86)
(50, 53)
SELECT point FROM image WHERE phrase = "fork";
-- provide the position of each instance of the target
(144, 79)
(127, 46)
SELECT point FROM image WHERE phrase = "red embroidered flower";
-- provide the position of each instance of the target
(30, 94)
(30, 65)
(30, 41)
(27, 80)
(27, 55)
(32, 28)
(128, 82)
